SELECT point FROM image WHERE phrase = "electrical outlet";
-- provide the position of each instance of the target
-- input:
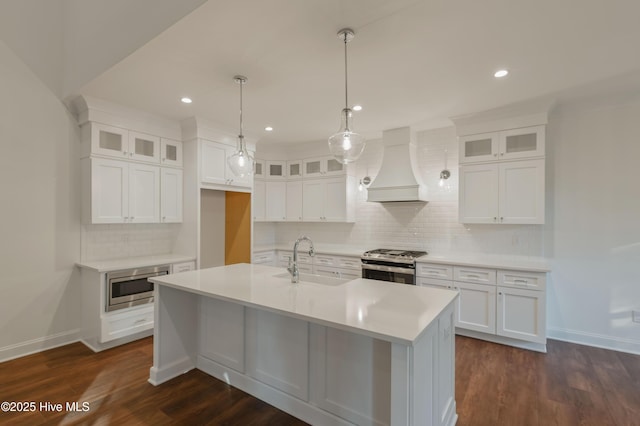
(635, 315)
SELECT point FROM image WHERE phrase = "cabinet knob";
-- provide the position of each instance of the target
(500, 293)
(495, 218)
(501, 218)
(495, 155)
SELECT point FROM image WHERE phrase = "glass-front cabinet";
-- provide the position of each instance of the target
(294, 169)
(322, 166)
(504, 145)
(171, 152)
(275, 170)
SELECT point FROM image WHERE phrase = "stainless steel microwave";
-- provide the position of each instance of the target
(131, 287)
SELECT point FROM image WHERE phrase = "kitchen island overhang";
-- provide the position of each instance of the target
(362, 352)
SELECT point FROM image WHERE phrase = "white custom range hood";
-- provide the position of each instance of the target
(397, 180)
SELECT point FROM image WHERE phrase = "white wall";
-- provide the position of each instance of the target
(594, 230)
(40, 226)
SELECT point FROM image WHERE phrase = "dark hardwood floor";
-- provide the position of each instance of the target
(495, 385)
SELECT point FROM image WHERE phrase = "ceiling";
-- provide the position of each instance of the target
(411, 62)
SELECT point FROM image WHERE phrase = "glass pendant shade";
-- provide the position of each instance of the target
(241, 162)
(345, 145)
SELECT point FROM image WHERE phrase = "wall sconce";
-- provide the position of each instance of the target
(444, 175)
(364, 182)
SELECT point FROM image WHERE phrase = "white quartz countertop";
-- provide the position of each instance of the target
(134, 262)
(522, 263)
(490, 261)
(387, 311)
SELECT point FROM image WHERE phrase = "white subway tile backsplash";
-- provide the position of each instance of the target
(104, 242)
(433, 226)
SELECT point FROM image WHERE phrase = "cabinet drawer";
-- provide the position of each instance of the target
(349, 262)
(324, 260)
(474, 275)
(524, 280)
(432, 270)
(265, 257)
(183, 267)
(120, 325)
(423, 281)
(283, 257)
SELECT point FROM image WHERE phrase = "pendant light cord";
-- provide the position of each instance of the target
(241, 84)
(346, 90)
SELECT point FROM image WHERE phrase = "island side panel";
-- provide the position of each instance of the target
(350, 375)
(175, 333)
(422, 386)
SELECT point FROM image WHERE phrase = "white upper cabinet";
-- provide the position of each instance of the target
(275, 201)
(171, 152)
(144, 193)
(258, 171)
(510, 144)
(511, 192)
(328, 200)
(294, 169)
(259, 201)
(322, 166)
(143, 147)
(111, 141)
(170, 195)
(214, 168)
(108, 140)
(276, 170)
(294, 201)
(120, 192)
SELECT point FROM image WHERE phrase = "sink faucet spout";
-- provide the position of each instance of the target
(293, 265)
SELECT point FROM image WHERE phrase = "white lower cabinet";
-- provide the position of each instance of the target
(504, 303)
(521, 314)
(183, 267)
(123, 324)
(476, 307)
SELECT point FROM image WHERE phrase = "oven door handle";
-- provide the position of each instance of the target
(386, 268)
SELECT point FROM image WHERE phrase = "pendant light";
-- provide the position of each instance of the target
(241, 162)
(346, 145)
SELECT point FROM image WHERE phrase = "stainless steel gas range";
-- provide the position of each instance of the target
(397, 266)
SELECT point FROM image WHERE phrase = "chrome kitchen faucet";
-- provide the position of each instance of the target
(293, 266)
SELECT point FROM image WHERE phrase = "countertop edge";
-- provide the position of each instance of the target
(133, 262)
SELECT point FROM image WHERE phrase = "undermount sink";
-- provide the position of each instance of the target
(317, 279)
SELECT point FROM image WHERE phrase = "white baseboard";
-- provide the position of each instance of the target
(172, 370)
(281, 400)
(522, 344)
(38, 345)
(598, 340)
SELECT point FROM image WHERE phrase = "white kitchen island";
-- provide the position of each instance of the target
(360, 352)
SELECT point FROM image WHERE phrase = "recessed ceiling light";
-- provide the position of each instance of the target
(357, 107)
(186, 100)
(501, 73)
(268, 129)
